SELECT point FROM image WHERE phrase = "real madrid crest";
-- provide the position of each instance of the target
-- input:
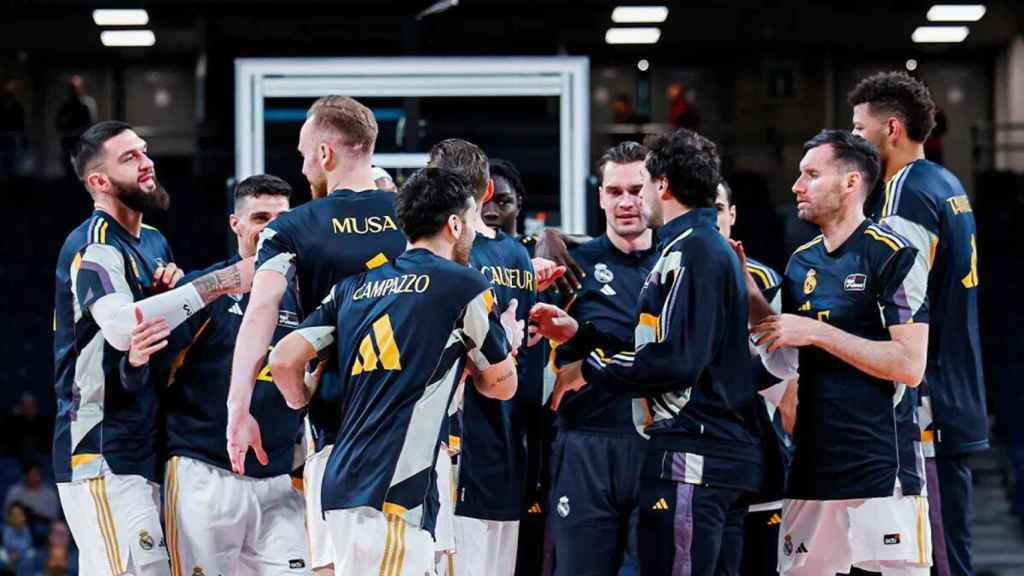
(602, 274)
(563, 506)
(811, 281)
(146, 541)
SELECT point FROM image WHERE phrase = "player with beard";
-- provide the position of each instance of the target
(404, 333)
(336, 235)
(856, 319)
(111, 273)
(926, 204)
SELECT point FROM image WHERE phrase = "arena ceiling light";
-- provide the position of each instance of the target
(956, 12)
(127, 38)
(120, 17)
(639, 14)
(632, 35)
(939, 34)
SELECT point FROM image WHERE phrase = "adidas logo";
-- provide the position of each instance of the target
(775, 520)
(236, 309)
(661, 504)
(378, 348)
(607, 290)
(806, 307)
(535, 509)
(801, 549)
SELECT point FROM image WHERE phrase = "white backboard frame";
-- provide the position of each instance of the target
(567, 77)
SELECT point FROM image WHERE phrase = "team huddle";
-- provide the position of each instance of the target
(361, 388)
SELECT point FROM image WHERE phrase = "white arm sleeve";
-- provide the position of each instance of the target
(783, 363)
(115, 312)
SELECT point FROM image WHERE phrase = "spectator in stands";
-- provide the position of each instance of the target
(17, 537)
(58, 563)
(34, 495)
(61, 558)
(13, 142)
(75, 115)
(35, 432)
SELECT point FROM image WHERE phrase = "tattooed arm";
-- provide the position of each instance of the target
(498, 381)
(234, 279)
(115, 311)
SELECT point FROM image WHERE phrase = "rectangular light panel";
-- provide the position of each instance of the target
(939, 34)
(639, 14)
(120, 17)
(125, 38)
(632, 35)
(956, 12)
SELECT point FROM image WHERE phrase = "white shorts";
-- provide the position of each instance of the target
(444, 531)
(888, 535)
(321, 548)
(367, 541)
(221, 523)
(115, 521)
(485, 546)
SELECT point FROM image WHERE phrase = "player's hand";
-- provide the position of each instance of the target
(513, 327)
(788, 404)
(149, 336)
(570, 379)
(551, 246)
(546, 273)
(243, 433)
(786, 331)
(551, 322)
(741, 254)
(166, 277)
(250, 242)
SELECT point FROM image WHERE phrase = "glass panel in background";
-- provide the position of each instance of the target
(522, 129)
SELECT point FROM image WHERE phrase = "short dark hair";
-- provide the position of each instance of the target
(18, 504)
(623, 153)
(261, 185)
(851, 150)
(465, 158)
(901, 95)
(505, 169)
(90, 144)
(426, 200)
(689, 162)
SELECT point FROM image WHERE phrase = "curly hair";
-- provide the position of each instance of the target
(852, 151)
(901, 95)
(689, 162)
(426, 200)
(507, 170)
